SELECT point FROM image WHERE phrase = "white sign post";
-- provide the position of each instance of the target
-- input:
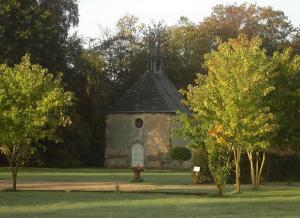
(196, 169)
(196, 174)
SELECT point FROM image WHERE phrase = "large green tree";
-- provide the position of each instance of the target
(285, 101)
(124, 54)
(33, 104)
(185, 49)
(84, 140)
(37, 27)
(187, 42)
(228, 21)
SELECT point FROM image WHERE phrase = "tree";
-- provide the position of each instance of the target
(188, 42)
(229, 103)
(32, 105)
(228, 21)
(124, 54)
(180, 154)
(185, 49)
(219, 163)
(37, 27)
(84, 140)
(285, 100)
(199, 130)
(243, 70)
(200, 158)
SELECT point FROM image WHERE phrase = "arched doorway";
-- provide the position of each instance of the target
(137, 155)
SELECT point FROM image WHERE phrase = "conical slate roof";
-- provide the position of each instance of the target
(154, 92)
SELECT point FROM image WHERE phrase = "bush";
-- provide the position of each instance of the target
(199, 158)
(282, 167)
(219, 165)
(180, 154)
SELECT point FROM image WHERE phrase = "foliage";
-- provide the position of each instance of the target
(185, 49)
(243, 80)
(180, 154)
(239, 81)
(219, 163)
(37, 27)
(32, 105)
(285, 101)
(84, 141)
(41, 28)
(282, 167)
(123, 54)
(98, 71)
(200, 158)
(228, 104)
(228, 21)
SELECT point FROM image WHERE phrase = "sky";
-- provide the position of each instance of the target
(105, 13)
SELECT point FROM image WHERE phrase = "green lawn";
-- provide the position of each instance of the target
(98, 174)
(273, 200)
(268, 203)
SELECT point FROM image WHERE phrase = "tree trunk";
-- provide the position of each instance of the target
(14, 170)
(220, 188)
(256, 171)
(14, 157)
(250, 157)
(237, 162)
(259, 171)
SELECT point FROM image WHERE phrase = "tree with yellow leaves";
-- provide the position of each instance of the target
(229, 105)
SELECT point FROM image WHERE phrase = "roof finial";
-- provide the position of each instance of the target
(157, 59)
(156, 39)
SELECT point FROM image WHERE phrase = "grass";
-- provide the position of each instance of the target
(176, 177)
(273, 200)
(269, 203)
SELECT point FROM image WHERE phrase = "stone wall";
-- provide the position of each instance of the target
(121, 134)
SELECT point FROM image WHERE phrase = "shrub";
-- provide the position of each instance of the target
(219, 165)
(199, 158)
(180, 154)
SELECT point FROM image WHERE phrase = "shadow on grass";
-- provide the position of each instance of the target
(95, 204)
